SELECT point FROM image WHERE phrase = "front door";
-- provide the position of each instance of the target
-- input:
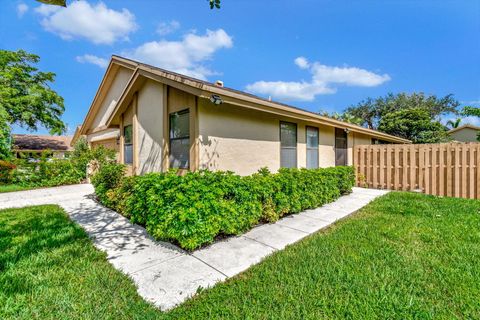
(340, 147)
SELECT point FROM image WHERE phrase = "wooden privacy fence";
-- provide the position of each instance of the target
(446, 169)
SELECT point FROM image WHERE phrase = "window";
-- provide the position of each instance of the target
(288, 145)
(312, 147)
(180, 139)
(127, 145)
(341, 145)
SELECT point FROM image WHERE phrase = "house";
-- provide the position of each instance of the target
(158, 119)
(465, 133)
(32, 145)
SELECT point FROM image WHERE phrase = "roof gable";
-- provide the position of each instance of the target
(114, 80)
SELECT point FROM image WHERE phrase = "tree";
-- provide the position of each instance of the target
(26, 98)
(414, 124)
(454, 123)
(371, 111)
(346, 117)
(471, 111)
(63, 3)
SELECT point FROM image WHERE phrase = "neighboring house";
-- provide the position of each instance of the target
(32, 145)
(158, 119)
(465, 133)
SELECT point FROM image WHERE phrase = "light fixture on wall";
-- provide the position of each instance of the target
(216, 99)
(347, 131)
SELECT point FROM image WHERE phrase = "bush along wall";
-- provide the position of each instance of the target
(193, 209)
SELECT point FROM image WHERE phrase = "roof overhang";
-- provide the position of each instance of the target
(202, 90)
(465, 126)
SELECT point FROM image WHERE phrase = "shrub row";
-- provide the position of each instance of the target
(195, 208)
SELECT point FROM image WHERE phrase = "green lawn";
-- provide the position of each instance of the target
(12, 187)
(404, 256)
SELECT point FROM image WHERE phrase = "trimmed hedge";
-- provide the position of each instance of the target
(195, 208)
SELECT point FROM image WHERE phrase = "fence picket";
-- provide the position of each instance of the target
(448, 169)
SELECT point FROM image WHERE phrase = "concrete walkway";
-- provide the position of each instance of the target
(165, 274)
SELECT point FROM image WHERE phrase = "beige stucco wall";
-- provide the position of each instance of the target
(243, 141)
(465, 135)
(150, 127)
(326, 148)
(108, 103)
(237, 140)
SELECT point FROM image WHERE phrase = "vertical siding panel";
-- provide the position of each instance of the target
(449, 171)
(441, 171)
(464, 170)
(396, 181)
(471, 172)
(413, 167)
(428, 170)
(374, 168)
(478, 171)
(381, 154)
(389, 167)
(421, 167)
(404, 169)
(362, 162)
(457, 172)
(433, 160)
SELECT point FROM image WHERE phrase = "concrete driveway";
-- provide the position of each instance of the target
(165, 274)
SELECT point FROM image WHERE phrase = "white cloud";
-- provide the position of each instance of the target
(22, 8)
(89, 58)
(302, 62)
(323, 80)
(165, 28)
(96, 23)
(185, 56)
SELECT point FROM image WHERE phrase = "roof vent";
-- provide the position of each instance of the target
(219, 83)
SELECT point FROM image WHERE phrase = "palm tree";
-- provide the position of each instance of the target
(454, 123)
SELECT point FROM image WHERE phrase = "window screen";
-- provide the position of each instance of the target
(288, 145)
(127, 145)
(312, 147)
(180, 139)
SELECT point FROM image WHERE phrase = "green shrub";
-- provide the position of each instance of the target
(49, 172)
(195, 208)
(106, 180)
(6, 171)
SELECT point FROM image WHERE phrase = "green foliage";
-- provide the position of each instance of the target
(82, 154)
(6, 171)
(108, 178)
(26, 98)
(372, 111)
(5, 138)
(25, 93)
(452, 124)
(49, 172)
(195, 208)
(346, 117)
(414, 124)
(471, 111)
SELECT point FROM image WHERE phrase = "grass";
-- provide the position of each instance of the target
(12, 187)
(404, 256)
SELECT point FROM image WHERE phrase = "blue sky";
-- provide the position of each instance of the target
(318, 55)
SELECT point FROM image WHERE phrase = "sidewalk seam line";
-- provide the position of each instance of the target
(191, 254)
